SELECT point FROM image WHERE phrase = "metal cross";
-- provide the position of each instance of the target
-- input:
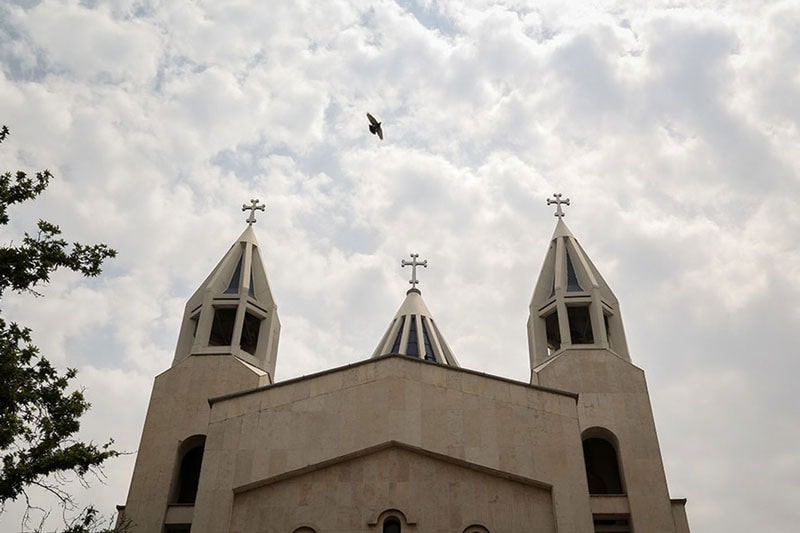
(558, 201)
(253, 207)
(413, 264)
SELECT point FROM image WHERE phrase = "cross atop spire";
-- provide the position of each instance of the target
(558, 201)
(254, 206)
(414, 264)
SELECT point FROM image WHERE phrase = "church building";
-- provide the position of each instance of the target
(406, 440)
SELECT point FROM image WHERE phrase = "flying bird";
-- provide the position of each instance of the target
(375, 126)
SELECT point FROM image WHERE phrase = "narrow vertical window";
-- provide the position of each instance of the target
(190, 475)
(602, 467)
(222, 326)
(608, 331)
(189, 465)
(429, 354)
(413, 344)
(573, 285)
(233, 286)
(396, 345)
(250, 330)
(553, 333)
(580, 324)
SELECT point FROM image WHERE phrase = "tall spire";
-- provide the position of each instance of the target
(412, 331)
(572, 306)
(233, 312)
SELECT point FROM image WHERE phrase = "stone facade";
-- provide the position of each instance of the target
(408, 441)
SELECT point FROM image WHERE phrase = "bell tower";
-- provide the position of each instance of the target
(572, 305)
(233, 312)
(577, 343)
(412, 332)
(227, 343)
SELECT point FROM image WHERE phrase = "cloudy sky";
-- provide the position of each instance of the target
(674, 129)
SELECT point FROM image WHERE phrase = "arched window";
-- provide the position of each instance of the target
(391, 525)
(304, 529)
(190, 461)
(391, 521)
(602, 467)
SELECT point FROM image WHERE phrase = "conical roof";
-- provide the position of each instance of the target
(572, 305)
(233, 311)
(414, 333)
(240, 271)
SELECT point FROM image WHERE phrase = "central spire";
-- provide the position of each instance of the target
(412, 331)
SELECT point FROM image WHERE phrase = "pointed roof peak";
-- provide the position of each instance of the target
(248, 235)
(413, 304)
(572, 305)
(233, 312)
(412, 331)
(561, 230)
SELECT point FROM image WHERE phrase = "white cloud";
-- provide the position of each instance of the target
(104, 49)
(674, 130)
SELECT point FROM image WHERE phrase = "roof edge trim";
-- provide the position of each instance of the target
(224, 397)
(386, 446)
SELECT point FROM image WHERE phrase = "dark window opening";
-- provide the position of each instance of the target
(580, 324)
(177, 528)
(189, 475)
(608, 330)
(391, 525)
(572, 279)
(611, 523)
(250, 328)
(602, 468)
(553, 333)
(446, 354)
(429, 354)
(222, 326)
(413, 344)
(252, 290)
(396, 345)
(233, 286)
